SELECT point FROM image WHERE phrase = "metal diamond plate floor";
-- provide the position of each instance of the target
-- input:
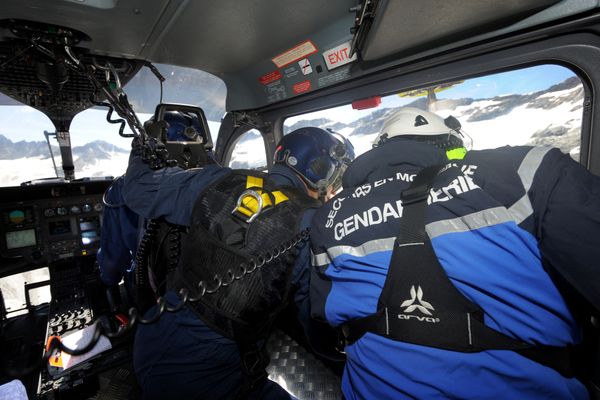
(299, 372)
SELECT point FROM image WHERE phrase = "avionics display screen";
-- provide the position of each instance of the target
(87, 225)
(59, 227)
(90, 230)
(18, 239)
(18, 217)
(89, 237)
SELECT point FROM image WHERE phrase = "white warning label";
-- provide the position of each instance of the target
(64, 139)
(337, 76)
(303, 50)
(305, 66)
(275, 91)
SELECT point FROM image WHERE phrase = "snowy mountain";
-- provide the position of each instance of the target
(23, 160)
(21, 149)
(96, 150)
(99, 158)
(548, 117)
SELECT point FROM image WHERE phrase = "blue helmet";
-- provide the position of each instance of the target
(184, 127)
(318, 156)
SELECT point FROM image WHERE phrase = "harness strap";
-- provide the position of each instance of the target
(254, 199)
(420, 305)
(249, 206)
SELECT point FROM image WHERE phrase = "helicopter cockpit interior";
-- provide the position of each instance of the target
(78, 79)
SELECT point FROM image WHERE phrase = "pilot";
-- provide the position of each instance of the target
(245, 254)
(453, 274)
(121, 226)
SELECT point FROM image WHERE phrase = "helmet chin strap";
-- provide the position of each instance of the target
(322, 189)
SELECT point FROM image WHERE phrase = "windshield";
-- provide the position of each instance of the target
(98, 150)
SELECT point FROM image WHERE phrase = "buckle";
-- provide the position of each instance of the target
(239, 205)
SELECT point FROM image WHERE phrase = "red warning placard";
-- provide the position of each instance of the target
(301, 87)
(296, 53)
(270, 77)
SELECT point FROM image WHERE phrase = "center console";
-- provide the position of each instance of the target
(59, 226)
(46, 223)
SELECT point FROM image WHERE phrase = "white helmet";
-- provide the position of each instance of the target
(410, 121)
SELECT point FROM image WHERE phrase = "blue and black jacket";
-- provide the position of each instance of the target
(180, 356)
(501, 223)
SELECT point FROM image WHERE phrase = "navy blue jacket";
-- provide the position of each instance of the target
(501, 223)
(179, 356)
(119, 240)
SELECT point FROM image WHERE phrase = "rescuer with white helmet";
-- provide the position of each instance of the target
(413, 123)
(449, 271)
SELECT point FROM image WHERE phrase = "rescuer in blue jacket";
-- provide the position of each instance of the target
(496, 239)
(121, 225)
(182, 355)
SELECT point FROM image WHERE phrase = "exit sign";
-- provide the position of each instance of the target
(338, 56)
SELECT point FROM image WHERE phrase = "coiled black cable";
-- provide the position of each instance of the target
(163, 268)
(141, 256)
(174, 248)
(111, 109)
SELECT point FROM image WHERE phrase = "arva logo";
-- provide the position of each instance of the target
(417, 296)
(416, 302)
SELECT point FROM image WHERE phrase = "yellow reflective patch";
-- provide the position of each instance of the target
(456, 154)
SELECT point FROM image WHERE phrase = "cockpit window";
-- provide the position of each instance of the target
(97, 148)
(181, 85)
(541, 105)
(24, 152)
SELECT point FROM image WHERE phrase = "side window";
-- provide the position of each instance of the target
(541, 105)
(249, 152)
(12, 287)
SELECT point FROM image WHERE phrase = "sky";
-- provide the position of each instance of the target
(523, 81)
(25, 123)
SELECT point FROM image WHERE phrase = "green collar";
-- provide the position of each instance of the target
(456, 154)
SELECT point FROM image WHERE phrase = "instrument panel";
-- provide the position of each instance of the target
(45, 223)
